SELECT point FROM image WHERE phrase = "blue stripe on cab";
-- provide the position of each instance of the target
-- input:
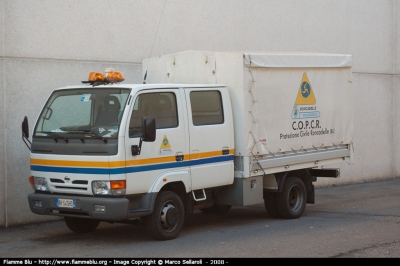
(94, 171)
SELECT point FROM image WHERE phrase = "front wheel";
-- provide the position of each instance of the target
(166, 221)
(81, 225)
(291, 203)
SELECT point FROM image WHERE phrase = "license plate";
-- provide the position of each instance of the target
(66, 203)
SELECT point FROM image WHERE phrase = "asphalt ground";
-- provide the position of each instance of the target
(349, 221)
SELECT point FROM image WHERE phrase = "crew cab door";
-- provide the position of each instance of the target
(210, 137)
(163, 158)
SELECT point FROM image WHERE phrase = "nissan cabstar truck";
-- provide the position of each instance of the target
(205, 131)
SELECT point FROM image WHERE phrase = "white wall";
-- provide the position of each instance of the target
(396, 88)
(50, 44)
(2, 125)
(396, 37)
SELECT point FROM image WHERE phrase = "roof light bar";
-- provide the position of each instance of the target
(99, 78)
(114, 76)
(96, 76)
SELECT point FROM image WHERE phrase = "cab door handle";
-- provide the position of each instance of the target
(179, 156)
(225, 151)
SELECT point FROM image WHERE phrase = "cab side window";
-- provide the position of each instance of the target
(160, 105)
(206, 108)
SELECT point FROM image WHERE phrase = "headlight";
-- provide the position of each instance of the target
(116, 188)
(40, 183)
(101, 188)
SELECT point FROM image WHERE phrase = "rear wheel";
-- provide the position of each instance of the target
(270, 204)
(291, 203)
(166, 221)
(81, 225)
(217, 208)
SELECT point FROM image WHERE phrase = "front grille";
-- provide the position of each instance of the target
(53, 180)
(80, 182)
(69, 185)
(76, 188)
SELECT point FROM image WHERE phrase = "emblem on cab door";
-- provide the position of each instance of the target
(165, 147)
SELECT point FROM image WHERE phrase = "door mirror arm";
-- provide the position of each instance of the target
(149, 134)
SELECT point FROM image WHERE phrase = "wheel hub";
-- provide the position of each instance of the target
(169, 216)
(295, 199)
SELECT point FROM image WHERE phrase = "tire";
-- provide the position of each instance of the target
(291, 203)
(217, 209)
(166, 221)
(81, 225)
(270, 204)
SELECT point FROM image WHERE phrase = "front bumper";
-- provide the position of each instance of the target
(116, 209)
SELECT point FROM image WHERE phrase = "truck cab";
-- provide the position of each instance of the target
(109, 152)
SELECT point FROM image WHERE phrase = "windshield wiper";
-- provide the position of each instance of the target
(77, 132)
(55, 136)
(99, 137)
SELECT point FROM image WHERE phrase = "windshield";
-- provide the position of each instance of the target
(82, 113)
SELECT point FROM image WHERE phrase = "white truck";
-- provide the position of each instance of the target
(206, 130)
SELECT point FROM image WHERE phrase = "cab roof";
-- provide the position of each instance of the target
(143, 86)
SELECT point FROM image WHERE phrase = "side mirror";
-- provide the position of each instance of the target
(25, 127)
(25, 133)
(149, 129)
